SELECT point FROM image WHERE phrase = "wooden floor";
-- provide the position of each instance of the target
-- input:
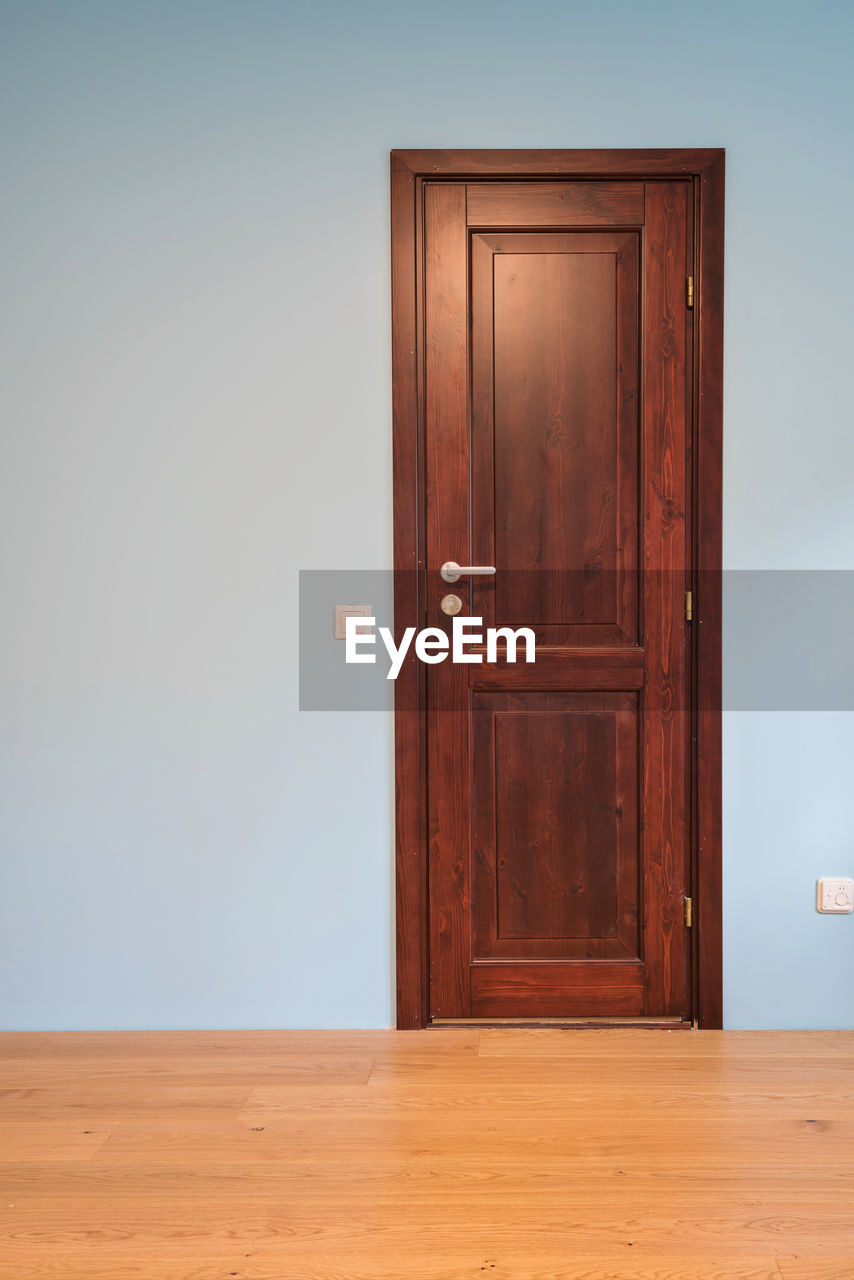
(449, 1153)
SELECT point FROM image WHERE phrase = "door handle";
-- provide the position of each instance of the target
(452, 572)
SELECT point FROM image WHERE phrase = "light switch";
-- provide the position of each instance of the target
(344, 611)
(834, 896)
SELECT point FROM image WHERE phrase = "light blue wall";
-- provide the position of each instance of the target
(195, 383)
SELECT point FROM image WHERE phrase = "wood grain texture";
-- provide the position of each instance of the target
(554, 436)
(708, 555)
(121, 1051)
(816, 1268)
(554, 795)
(704, 168)
(665, 557)
(409, 729)
(603, 988)
(593, 1155)
(554, 490)
(631, 162)
(447, 450)
(312, 1234)
(553, 204)
(403, 1183)
(558, 482)
(438, 1266)
(64, 1139)
(556, 824)
(576, 668)
(740, 1050)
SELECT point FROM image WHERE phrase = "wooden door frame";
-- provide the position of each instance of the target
(409, 171)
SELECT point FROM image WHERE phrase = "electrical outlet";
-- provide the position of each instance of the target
(834, 896)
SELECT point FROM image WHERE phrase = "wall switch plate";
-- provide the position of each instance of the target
(344, 611)
(834, 896)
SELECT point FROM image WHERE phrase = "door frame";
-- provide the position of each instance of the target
(704, 168)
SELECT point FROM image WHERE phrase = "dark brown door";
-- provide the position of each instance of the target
(557, 345)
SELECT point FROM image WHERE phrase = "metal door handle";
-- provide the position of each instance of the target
(452, 572)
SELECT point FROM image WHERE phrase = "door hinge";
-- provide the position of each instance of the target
(689, 913)
(689, 606)
(689, 289)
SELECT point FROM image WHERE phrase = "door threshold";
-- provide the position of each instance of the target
(668, 1024)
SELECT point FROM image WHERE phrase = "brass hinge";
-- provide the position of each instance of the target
(689, 606)
(690, 291)
(689, 913)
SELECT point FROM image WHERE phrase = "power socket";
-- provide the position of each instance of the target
(834, 896)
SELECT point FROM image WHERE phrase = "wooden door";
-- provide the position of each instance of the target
(557, 404)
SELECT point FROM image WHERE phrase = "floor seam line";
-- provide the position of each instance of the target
(100, 1148)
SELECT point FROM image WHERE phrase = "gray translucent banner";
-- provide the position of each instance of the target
(788, 636)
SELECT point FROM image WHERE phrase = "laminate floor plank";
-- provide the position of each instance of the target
(217, 1045)
(23, 1140)
(238, 1071)
(369, 1233)
(621, 1135)
(453, 1154)
(572, 1042)
(95, 1101)
(618, 1071)
(812, 1268)
(508, 1098)
(419, 1265)
(419, 1182)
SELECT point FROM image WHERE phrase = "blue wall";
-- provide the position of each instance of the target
(194, 226)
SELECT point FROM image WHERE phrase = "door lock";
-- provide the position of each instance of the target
(451, 605)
